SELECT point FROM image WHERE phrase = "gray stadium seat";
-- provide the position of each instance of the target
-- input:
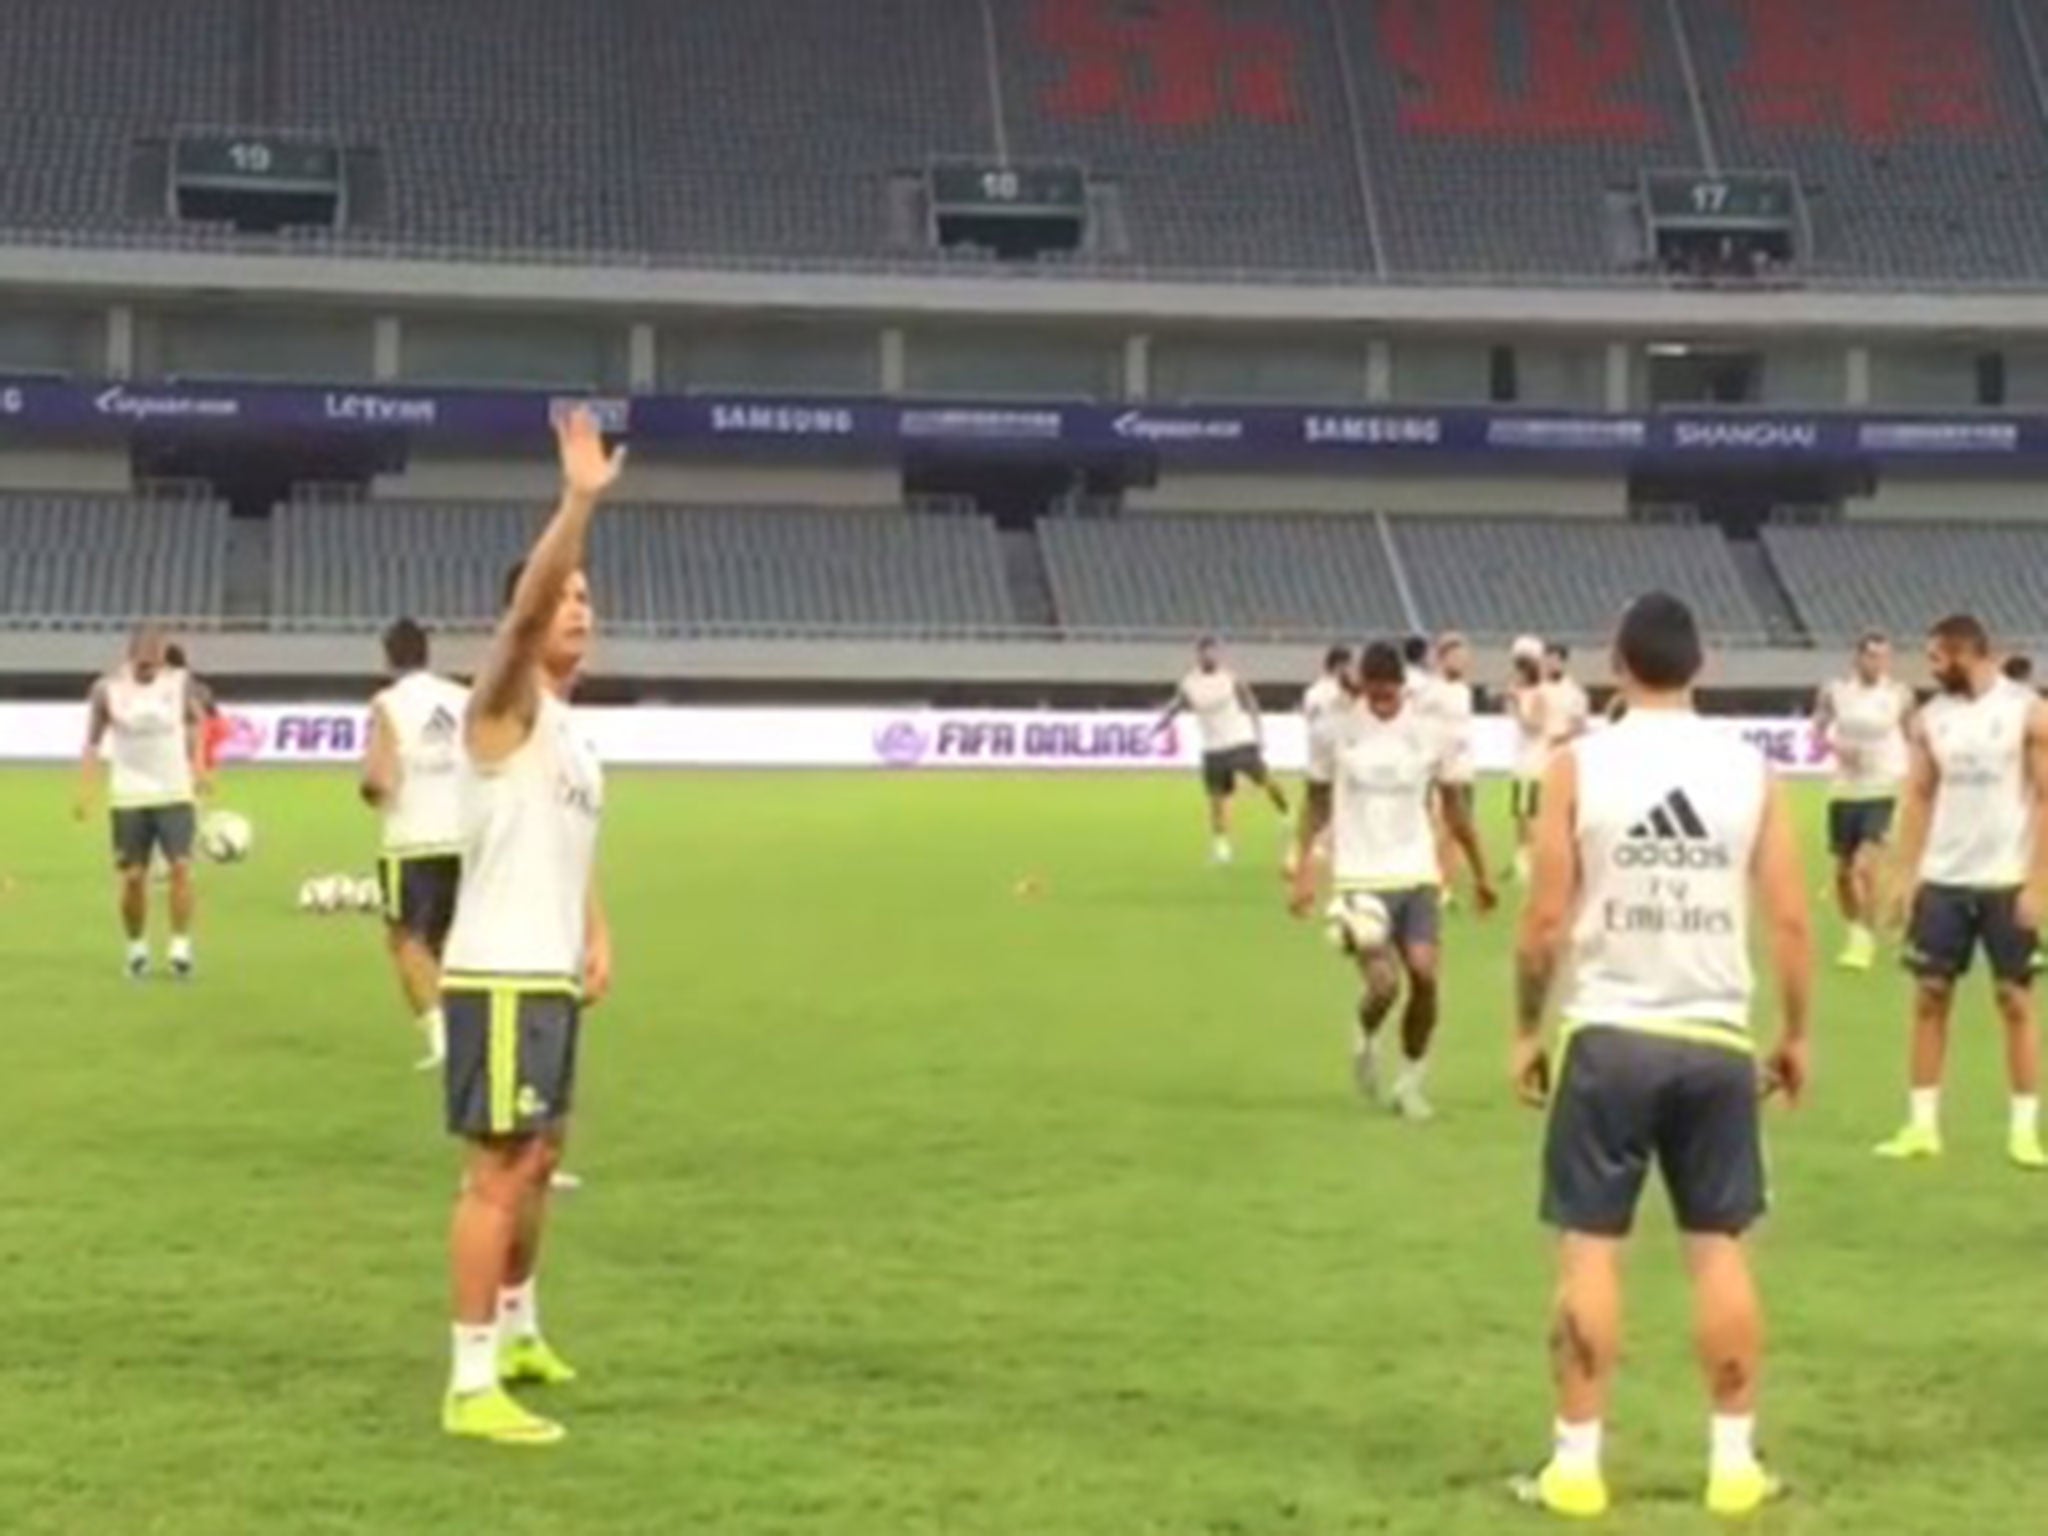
(111, 560)
(1901, 577)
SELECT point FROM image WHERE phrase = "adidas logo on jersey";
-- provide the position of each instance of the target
(1672, 836)
(441, 724)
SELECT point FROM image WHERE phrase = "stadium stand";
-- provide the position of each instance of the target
(1389, 138)
(105, 559)
(1243, 576)
(1567, 577)
(1901, 577)
(1493, 131)
(656, 568)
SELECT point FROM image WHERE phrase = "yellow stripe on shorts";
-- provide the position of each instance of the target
(503, 1054)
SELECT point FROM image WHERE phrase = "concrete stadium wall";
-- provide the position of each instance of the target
(1562, 496)
(1914, 498)
(61, 469)
(431, 477)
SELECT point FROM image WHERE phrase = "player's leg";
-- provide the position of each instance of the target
(1596, 1155)
(133, 841)
(1380, 972)
(1218, 780)
(177, 829)
(419, 906)
(1450, 857)
(1415, 928)
(1523, 800)
(548, 1027)
(1941, 936)
(2012, 952)
(495, 1104)
(1710, 1147)
(1254, 768)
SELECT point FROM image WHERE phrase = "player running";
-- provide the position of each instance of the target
(1376, 767)
(1320, 701)
(1227, 716)
(1862, 717)
(412, 778)
(143, 735)
(529, 950)
(1450, 705)
(1652, 836)
(1973, 852)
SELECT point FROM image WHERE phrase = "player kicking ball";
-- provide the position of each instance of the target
(1378, 765)
(529, 950)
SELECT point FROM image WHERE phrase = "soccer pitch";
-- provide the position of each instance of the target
(917, 1204)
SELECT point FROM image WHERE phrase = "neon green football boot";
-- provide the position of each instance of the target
(494, 1415)
(533, 1361)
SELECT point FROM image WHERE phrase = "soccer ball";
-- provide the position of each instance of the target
(225, 837)
(1357, 923)
(321, 894)
(366, 894)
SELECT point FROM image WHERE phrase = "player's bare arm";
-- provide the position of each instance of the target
(1779, 877)
(1546, 923)
(99, 720)
(1249, 703)
(2034, 898)
(597, 947)
(506, 699)
(382, 769)
(1175, 707)
(1464, 831)
(1916, 811)
(195, 741)
(1314, 816)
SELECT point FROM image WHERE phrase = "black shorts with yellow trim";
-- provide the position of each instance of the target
(1681, 1096)
(511, 1068)
(139, 832)
(419, 893)
(1856, 824)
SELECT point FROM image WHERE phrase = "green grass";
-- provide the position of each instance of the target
(916, 1207)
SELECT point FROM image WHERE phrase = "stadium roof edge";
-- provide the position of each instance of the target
(108, 273)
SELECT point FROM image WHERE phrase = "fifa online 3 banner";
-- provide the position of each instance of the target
(898, 740)
(1215, 435)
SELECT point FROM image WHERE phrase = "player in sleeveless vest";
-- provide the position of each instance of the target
(528, 951)
(1973, 874)
(1652, 840)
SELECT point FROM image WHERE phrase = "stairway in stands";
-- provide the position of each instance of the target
(1760, 579)
(1030, 587)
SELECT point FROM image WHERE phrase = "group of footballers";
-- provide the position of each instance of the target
(1653, 850)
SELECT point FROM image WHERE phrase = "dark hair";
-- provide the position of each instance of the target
(1658, 642)
(1557, 650)
(174, 656)
(2019, 668)
(1415, 650)
(1965, 630)
(1336, 658)
(1381, 662)
(405, 645)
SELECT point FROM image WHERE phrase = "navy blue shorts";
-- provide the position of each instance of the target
(1856, 824)
(1950, 922)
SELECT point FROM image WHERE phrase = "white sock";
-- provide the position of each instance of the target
(476, 1359)
(1522, 863)
(1411, 1076)
(1222, 850)
(138, 949)
(1923, 1107)
(181, 948)
(1732, 1442)
(519, 1311)
(2026, 1114)
(1859, 934)
(1575, 1448)
(434, 1028)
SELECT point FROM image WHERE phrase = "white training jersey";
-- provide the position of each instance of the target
(1982, 827)
(1527, 710)
(1867, 729)
(148, 741)
(529, 843)
(1669, 812)
(424, 715)
(1448, 706)
(1321, 702)
(1566, 711)
(1212, 697)
(1381, 773)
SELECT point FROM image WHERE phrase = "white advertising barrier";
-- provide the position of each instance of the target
(903, 739)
